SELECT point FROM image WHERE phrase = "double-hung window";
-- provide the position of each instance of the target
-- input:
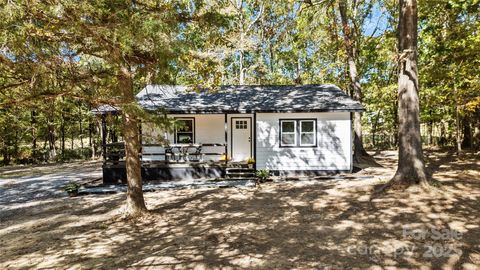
(307, 133)
(185, 130)
(298, 132)
(288, 133)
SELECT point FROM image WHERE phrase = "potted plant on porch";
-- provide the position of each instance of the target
(250, 162)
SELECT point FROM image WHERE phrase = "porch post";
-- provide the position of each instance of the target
(140, 137)
(226, 139)
(104, 137)
(255, 140)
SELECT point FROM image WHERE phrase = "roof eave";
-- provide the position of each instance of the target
(258, 111)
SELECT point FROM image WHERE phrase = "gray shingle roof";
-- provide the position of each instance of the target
(105, 108)
(248, 98)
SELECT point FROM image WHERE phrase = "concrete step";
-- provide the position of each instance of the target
(240, 175)
(239, 169)
(237, 165)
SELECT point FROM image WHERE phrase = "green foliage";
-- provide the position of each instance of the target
(72, 187)
(60, 58)
(250, 160)
(75, 154)
(262, 175)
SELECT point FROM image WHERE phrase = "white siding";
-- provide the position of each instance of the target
(209, 128)
(333, 150)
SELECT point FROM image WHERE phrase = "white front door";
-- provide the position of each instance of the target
(241, 139)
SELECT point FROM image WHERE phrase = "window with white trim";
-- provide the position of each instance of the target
(307, 133)
(288, 133)
(298, 132)
(185, 130)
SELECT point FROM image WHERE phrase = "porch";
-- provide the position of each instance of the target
(208, 146)
(175, 162)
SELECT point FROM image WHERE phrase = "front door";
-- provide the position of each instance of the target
(241, 139)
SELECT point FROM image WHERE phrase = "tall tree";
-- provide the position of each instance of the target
(244, 17)
(117, 46)
(351, 51)
(411, 165)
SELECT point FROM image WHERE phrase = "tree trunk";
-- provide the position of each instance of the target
(62, 130)
(443, 136)
(430, 128)
(241, 79)
(81, 131)
(6, 143)
(135, 201)
(15, 146)
(52, 138)
(6, 156)
(467, 134)
(34, 136)
(411, 166)
(359, 150)
(374, 128)
(72, 134)
(458, 139)
(91, 143)
(270, 47)
(476, 136)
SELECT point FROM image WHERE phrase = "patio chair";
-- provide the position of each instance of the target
(168, 153)
(178, 154)
(194, 154)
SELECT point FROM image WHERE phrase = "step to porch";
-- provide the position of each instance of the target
(239, 173)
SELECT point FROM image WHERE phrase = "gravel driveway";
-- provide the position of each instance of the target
(23, 184)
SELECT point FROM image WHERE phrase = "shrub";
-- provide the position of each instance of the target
(71, 187)
(262, 175)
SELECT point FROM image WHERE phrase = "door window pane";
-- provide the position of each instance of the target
(240, 124)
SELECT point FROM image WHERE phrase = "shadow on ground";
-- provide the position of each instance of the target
(330, 224)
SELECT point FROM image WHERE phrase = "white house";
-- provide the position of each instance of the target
(303, 129)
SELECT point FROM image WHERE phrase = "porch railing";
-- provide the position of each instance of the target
(114, 152)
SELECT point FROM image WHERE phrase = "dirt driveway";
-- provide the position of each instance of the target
(22, 184)
(325, 225)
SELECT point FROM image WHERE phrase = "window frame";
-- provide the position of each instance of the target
(175, 135)
(314, 132)
(298, 133)
(288, 133)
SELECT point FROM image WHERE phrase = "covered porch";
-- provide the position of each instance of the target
(201, 146)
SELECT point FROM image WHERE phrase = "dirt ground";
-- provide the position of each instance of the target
(334, 224)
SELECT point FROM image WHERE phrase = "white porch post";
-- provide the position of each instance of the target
(226, 138)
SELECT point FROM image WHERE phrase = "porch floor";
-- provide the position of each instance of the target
(179, 164)
(114, 172)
